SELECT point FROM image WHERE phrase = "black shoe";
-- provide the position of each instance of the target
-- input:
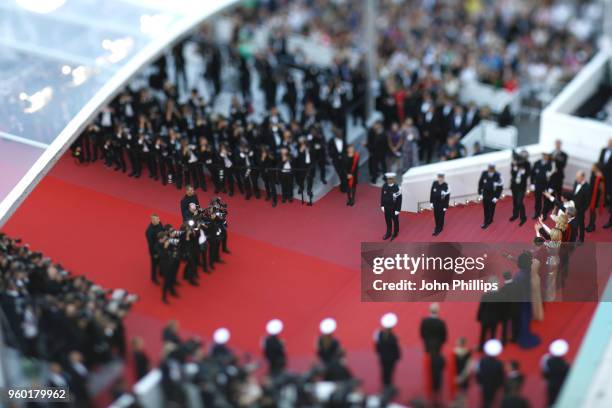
(435, 232)
(267, 198)
(393, 237)
(192, 282)
(274, 203)
(165, 301)
(155, 281)
(514, 217)
(176, 295)
(608, 224)
(484, 226)
(523, 221)
(386, 236)
(226, 251)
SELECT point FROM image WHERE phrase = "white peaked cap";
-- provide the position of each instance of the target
(274, 327)
(388, 320)
(328, 326)
(558, 348)
(389, 175)
(221, 335)
(493, 348)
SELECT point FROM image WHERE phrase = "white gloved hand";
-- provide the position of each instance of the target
(382, 209)
(480, 197)
(532, 187)
(494, 200)
(396, 212)
(430, 205)
(445, 209)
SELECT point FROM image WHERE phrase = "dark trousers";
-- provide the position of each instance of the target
(270, 186)
(488, 330)
(204, 256)
(322, 168)
(392, 221)
(439, 217)
(518, 205)
(351, 190)
(201, 176)
(155, 268)
(387, 368)
(286, 180)
(426, 147)
(514, 329)
(488, 207)
(376, 165)
(538, 202)
(580, 222)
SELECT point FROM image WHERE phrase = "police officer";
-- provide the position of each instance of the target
(153, 230)
(390, 205)
(274, 348)
(439, 198)
(519, 172)
(387, 347)
(328, 347)
(555, 369)
(490, 187)
(490, 372)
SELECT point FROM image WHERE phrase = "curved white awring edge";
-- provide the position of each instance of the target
(108, 91)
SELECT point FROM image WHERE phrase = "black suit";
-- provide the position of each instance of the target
(387, 348)
(490, 376)
(439, 196)
(151, 234)
(555, 370)
(489, 315)
(490, 187)
(510, 310)
(540, 176)
(274, 351)
(433, 334)
(581, 199)
(185, 201)
(337, 157)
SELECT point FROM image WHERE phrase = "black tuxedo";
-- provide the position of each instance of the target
(337, 157)
(540, 178)
(151, 235)
(581, 199)
(388, 350)
(434, 334)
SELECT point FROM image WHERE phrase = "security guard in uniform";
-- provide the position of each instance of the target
(439, 198)
(490, 187)
(519, 172)
(390, 205)
(387, 347)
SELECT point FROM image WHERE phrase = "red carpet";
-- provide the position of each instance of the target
(294, 262)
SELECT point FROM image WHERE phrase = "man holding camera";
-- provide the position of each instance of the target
(189, 198)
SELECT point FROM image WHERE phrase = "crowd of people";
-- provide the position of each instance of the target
(198, 242)
(545, 180)
(68, 322)
(224, 378)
